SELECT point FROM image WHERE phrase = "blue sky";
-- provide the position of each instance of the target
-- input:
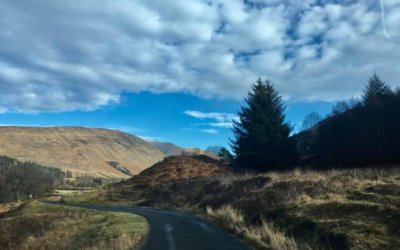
(179, 71)
(183, 119)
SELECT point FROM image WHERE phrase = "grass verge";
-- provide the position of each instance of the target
(36, 225)
(266, 235)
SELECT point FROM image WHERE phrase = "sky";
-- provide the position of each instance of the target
(178, 71)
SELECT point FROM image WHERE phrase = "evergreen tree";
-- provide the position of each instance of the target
(262, 136)
(225, 156)
(375, 93)
(375, 90)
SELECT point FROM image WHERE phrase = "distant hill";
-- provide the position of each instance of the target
(171, 149)
(198, 151)
(167, 148)
(214, 149)
(83, 151)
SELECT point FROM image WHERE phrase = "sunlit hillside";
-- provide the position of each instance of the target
(83, 151)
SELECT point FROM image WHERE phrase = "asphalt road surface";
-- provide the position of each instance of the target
(172, 230)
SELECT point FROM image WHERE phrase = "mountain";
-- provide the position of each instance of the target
(171, 149)
(214, 149)
(167, 148)
(83, 151)
(198, 151)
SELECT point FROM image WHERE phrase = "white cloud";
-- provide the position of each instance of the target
(209, 131)
(220, 117)
(222, 124)
(215, 120)
(151, 138)
(89, 53)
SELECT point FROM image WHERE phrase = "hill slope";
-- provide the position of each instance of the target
(171, 149)
(300, 209)
(183, 167)
(167, 148)
(83, 151)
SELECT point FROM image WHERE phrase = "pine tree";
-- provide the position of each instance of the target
(225, 156)
(262, 136)
(375, 93)
(375, 90)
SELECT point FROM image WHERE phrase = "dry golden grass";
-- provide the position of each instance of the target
(228, 216)
(335, 209)
(277, 239)
(5, 207)
(39, 226)
(265, 235)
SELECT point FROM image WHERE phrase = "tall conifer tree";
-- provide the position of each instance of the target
(262, 136)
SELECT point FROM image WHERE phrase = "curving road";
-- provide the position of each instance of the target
(172, 230)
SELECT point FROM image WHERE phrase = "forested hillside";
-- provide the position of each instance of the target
(23, 180)
(357, 133)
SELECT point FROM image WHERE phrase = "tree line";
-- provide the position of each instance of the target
(24, 180)
(357, 133)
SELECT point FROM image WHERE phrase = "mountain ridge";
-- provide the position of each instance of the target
(170, 149)
(81, 150)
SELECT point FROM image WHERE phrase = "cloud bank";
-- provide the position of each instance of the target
(69, 55)
(215, 120)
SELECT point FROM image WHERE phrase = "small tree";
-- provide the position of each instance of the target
(340, 107)
(69, 174)
(375, 90)
(262, 136)
(225, 156)
(311, 120)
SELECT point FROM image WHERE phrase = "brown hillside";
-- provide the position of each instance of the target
(180, 168)
(84, 151)
(167, 148)
(300, 209)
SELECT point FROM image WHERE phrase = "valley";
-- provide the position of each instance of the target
(298, 209)
(334, 185)
(199, 125)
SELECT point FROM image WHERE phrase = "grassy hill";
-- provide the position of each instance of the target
(83, 151)
(184, 167)
(300, 209)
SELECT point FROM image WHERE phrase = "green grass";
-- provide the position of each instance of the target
(40, 226)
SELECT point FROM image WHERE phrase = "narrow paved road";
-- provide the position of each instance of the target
(172, 230)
